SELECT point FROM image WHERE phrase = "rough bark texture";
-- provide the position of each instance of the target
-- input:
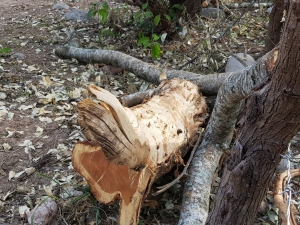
(209, 84)
(275, 25)
(271, 119)
(217, 138)
(136, 98)
(128, 148)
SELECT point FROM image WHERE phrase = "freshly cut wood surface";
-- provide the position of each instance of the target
(128, 148)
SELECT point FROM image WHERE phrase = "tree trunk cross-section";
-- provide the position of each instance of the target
(128, 148)
(271, 118)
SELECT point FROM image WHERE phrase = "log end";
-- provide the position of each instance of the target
(108, 181)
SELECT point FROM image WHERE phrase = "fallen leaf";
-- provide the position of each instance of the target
(7, 195)
(19, 174)
(6, 146)
(46, 81)
(162, 76)
(30, 170)
(48, 190)
(45, 119)
(76, 93)
(23, 210)
(31, 68)
(11, 174)
(39, 131)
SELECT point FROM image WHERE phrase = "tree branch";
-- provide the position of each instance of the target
(217, 138)
(209, 84)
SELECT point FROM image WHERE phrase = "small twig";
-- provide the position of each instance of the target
(225, 9)
(167, 186)
(63, 218)
(158, 223)
(235, 56)
(239, 59)
(218, 12)
(296, 183)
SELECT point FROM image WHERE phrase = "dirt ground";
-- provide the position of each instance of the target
(38, 99)
(44, 145)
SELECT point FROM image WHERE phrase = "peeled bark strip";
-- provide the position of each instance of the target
(128, 148)
(209, 84)
(271, 117)
(217, 137)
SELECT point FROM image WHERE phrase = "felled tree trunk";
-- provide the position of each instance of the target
(128, 148)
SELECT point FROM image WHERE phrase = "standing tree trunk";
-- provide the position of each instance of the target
(275, 24)
(271, 118)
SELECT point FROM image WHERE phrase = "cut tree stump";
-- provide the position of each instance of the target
(127, 149)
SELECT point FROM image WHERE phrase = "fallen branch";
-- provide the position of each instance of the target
(209, 84)
(136, 98)
(248, 5)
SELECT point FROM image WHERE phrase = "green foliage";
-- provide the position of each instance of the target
(144, 6)
(178, 6)
(148, 23)
(155, 50)
(144, 41)
(173, 12)
(155, 37)
(167, 17)
(144, 20)
(5, 50)
(101, 10)
(156, 20)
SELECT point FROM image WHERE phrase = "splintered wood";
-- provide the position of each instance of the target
(128, 148)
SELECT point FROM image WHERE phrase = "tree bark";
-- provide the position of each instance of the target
(271, 118)
(276, 24)
(217, 137)
(209, 84)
